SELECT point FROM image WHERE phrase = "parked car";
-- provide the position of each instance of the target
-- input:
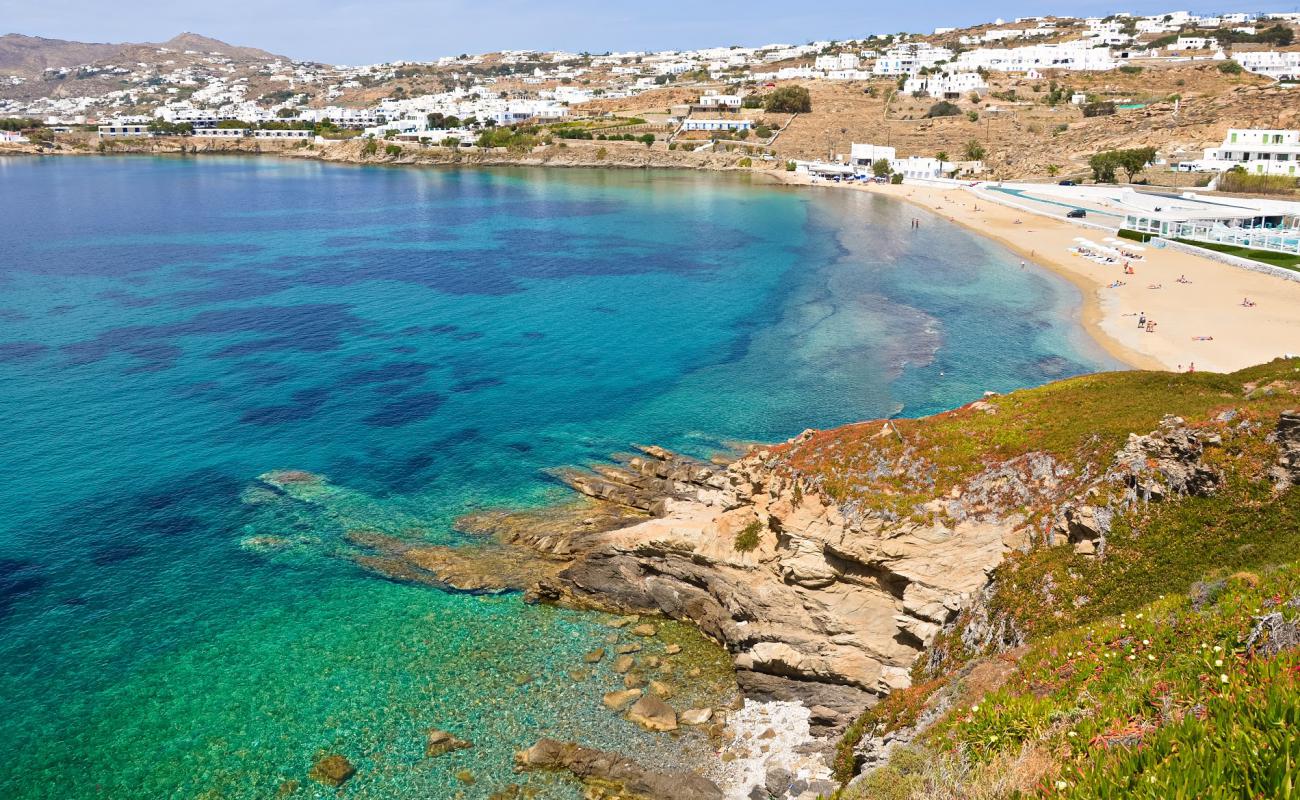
(1068, 183)
(1076, 213)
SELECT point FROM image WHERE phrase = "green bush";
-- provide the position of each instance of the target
(1230, 68)
(789, 166)
(748, 538)
(896, 178)
(788, 100)
(393, 150)
(1238, 180)
(943, 109)
(1137, 236)
(745, 162)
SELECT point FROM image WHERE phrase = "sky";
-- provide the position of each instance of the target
(369, 31)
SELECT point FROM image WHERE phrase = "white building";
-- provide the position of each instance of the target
(125, 126)
(1259, 152)
(909, 59)
(12, 137)
(719, 102)
(864, 155)
(1191, 43)
(1076, 56)
(948, 85)
(1280, 66)
(717, 125)
(841, 61)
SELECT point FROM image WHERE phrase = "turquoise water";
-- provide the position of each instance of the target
(431, 342)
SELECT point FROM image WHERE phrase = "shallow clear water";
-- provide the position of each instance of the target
(432, 342)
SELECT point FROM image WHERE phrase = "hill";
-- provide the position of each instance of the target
(32, 54)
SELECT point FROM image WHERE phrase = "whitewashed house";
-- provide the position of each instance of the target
(864, 155)
(713, 101)
(1280, 66)
(948, 85)
(1259, 152)
(717, 125)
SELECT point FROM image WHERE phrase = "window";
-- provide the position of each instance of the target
(1234, 138)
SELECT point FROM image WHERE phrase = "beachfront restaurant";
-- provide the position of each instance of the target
(1261, 228)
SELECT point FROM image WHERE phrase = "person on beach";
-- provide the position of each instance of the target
(1142, 319)
(1246, 302)
(1191, 367)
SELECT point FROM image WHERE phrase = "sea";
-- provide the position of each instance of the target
(430, 343)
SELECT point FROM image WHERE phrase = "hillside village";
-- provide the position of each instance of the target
(1030, 97)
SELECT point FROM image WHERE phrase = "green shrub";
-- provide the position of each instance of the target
(1230, 68)
(1131, 69)
(943, 109)
(393, 150)
(788, 100)
(1238, 180)
(789, 166)
(745, 162)
(896, 178)
(1137, 236)
(748, 538)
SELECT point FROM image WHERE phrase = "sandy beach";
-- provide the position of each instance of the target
(1209, 306)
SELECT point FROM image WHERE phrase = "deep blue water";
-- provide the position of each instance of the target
(431, 342)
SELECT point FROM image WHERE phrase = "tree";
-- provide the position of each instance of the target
(1103, 166)
(1230, 68)
(788, 100)
(1134, 160)
(1053, 170)
(880, 168)
(942, 155)
(647, 139)
(762, 131)
(974, 151)
(435, 119)
(896, 178)
(973, 116)
(752, 101)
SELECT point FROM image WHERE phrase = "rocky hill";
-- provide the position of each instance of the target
(21, 54)
(953, 596)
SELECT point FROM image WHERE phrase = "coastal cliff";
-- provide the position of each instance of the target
(919, 560)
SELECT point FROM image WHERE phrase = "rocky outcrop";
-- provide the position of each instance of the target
(824, 610)
(1286, 473)
(1166, 463)
(599, 767)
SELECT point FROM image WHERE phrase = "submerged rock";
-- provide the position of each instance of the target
(332, 770)
(591, 765)
(440, 742)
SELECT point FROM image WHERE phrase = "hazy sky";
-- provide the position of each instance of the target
(365, 31)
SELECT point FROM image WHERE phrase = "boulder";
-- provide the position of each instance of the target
(645, 629)
(332, 770)
(653, 714)
(695, 716)
(594, 656)
(623, 664)
(621, 699)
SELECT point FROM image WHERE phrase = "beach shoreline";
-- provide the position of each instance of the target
(1202, 324)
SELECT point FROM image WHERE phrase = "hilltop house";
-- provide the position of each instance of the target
(864, 155)
(1260, 152)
